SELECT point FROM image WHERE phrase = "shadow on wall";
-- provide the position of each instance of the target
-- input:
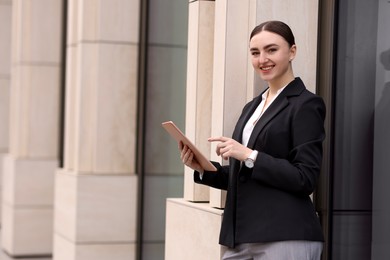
(381, 207)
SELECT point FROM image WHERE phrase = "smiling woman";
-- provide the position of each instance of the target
(274, 157)
(271, 57)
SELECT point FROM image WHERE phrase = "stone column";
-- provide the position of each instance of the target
(28, 177)
(96, 190)
(302, 17)
(182, 239)
(233, 75)
(199, 88)
(5, 71)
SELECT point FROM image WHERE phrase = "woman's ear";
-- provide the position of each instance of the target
(293, 52)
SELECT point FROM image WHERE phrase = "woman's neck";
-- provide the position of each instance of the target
(274, 86)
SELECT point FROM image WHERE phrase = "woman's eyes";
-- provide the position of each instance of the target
(269, 51)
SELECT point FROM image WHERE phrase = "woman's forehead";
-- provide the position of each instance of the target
(266, 38)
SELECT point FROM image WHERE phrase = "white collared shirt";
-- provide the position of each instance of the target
(255, 118)
(246, 134)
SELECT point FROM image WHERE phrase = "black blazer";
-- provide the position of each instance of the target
(271, 202)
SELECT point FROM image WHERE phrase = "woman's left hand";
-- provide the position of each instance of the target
(228, 147)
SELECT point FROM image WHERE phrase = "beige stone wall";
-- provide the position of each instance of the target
(234, 84)
(91, 201)
(101, 86)
(185, 230)
(5, 71)
(302, 17)
(199, 86)
(5, 80)
(28, 180)
(96, 190)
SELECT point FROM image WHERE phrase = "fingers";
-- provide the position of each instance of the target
(190, 157)
(223, 147)
(225, 152)
(228, 147)
(218, 139)
(186, 155)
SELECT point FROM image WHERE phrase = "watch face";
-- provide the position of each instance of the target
(249, 163)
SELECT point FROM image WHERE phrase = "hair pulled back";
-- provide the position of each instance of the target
(277, 27)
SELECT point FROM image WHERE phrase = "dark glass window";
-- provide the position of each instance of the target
(361, 159)
(165, 95)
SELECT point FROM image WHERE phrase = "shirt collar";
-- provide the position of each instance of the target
(265, 94)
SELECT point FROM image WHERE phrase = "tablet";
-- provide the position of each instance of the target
(175, 132)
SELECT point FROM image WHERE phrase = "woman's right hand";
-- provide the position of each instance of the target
(187, 157)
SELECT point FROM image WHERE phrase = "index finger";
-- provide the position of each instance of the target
(217, 139)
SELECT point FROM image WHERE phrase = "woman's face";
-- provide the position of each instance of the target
(271, 56)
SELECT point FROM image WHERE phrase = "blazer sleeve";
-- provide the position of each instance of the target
(299, 172)
(218, 179)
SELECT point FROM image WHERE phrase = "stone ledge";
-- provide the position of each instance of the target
(205, 206)
(192, 231)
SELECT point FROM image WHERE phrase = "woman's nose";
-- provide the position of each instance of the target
(263, 57)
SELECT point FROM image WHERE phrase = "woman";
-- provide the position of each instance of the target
(274, 157)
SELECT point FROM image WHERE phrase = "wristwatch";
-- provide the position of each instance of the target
(250, 161)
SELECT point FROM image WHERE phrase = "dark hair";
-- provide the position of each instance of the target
(277, 27)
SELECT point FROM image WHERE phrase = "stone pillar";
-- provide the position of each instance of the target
(5, 71)
(234, 84)
(199, 88)
(233, 74)
(96, 190)
(302, 17)
(184, 239)
(28, 176)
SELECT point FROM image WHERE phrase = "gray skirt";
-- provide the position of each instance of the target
(291, 250)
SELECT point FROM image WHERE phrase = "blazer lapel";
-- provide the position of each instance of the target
(294, 88)
(237, 133)
(278, 105)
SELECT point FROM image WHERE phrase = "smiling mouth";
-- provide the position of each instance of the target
(266, 68)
